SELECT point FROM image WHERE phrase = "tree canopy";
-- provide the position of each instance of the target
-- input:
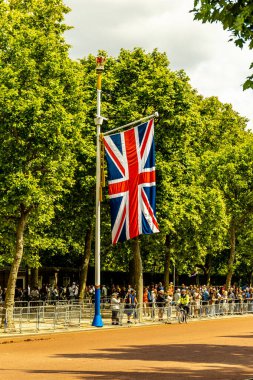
(40, 113)
(47, 154)
(236, 16)
(191, 211)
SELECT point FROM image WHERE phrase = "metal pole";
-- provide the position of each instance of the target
(132, 123)
(97, 321)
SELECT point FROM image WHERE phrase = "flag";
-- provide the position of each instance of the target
(130, 157)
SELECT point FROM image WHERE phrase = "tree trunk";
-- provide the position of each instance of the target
(85, 263)
(7, 318)
(231, 257)
(167, 262)
(208, 268)
(138, 274)
(131, 278)
(208, 278)
(250, 279)
(34, 277)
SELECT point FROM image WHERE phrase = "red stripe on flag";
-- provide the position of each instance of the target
(119, 187)
(147, 177)
(133, 171)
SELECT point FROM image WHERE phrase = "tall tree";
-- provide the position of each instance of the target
(137, 83)
(40, 112)
(244, 262)
(231, 170)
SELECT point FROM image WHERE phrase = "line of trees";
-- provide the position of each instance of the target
(47, 157)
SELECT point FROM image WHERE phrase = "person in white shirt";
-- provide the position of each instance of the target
(115, 306)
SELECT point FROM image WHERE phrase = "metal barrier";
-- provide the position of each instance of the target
(35, 318)
(43, 316)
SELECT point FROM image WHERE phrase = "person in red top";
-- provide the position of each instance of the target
(146, 302)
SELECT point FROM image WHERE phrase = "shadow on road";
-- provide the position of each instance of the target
(193, 361)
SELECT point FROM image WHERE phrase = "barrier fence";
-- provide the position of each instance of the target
(35, 316)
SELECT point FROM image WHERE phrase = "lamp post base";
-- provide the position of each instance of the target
(97, 321)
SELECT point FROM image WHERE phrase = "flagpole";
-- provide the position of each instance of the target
(132, 123)
(97, 321)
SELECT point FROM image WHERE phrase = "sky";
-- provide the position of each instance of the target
(215, 66)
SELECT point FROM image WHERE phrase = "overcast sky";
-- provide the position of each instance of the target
(215, 66)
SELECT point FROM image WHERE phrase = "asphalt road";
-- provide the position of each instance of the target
(208, 350)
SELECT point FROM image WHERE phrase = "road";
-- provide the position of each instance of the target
(208, 350)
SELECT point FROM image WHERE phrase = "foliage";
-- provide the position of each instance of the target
(40, 114)
(231, 171)
(47, 154)
(138, 83)
(235, 16)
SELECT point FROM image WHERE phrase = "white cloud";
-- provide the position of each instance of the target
(215, 66)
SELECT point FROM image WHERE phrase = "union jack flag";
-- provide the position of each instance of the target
(130, 157)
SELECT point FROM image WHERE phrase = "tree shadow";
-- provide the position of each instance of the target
(199, 361)
(238, 336)
(188, 353)
(154, 374)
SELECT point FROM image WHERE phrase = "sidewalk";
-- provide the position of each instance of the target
(86, 326)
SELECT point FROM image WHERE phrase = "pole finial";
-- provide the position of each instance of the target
(100, 62)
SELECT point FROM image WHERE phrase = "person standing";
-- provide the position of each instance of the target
(115, 306)
(146, 302)
(205, 301)
(160, 302)
(196, 300)
(104, 294)
(130, 304)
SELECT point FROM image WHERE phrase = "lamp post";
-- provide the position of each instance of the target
(97, 321)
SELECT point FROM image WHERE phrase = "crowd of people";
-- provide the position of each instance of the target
(45, 293)
(157, 302)
(154, 294)
(197, 300)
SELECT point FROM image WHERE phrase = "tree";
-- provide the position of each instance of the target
(192, 215)
(244, 262)
(235, 16)
(191, 210)
(231, 171)
(40, 112)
